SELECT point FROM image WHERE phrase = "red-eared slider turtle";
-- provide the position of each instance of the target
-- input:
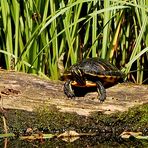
(91, 72)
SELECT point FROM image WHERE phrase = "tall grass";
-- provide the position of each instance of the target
(34, 34)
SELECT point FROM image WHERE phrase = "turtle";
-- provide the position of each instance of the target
(91, 72)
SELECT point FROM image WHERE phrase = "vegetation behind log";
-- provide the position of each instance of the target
(34, 34)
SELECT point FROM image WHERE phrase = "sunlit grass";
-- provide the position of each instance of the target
(36, 33)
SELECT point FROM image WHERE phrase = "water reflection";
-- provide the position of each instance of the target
(83, 142)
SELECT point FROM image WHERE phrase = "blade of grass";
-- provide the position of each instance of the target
(94, 30)
(137, 42)
(105, 30)
(16, 10)
(7, 29)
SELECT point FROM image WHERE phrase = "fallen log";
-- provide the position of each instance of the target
(26, 92)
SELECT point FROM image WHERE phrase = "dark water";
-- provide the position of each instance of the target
(107, 130)
(84, 142)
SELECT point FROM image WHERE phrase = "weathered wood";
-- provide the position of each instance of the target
(26, 92)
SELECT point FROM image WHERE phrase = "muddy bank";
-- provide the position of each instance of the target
(93, 130)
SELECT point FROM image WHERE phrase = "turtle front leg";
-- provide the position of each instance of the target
(68, 89)
(101, 90)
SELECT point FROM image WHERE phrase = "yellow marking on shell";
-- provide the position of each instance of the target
(110, 79)
(88, 84)
(102, 66)
(107, 78)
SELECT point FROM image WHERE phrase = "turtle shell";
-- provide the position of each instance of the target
(93, 69)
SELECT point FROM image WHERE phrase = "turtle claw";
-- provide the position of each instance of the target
(69, 94)
(102, 98)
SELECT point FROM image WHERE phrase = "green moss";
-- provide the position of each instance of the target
(49, 119)
(137, 116)
(144, 112)
(135, 119)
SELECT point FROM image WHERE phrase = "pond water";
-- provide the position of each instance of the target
(84, 142)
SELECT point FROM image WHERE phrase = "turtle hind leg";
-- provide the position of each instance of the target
(68, 89)
(101, 90)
